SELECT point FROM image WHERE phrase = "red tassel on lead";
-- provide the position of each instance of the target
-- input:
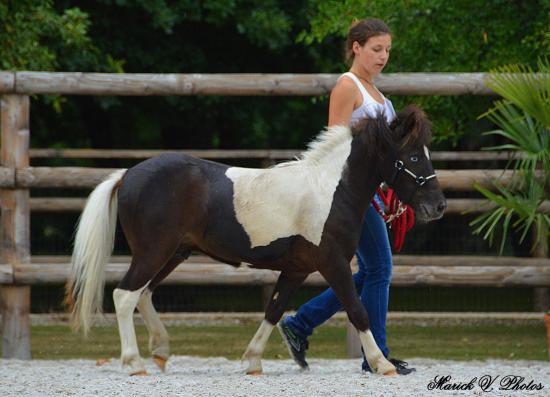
(400, 216)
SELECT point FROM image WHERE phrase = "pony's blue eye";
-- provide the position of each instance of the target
(414, 159)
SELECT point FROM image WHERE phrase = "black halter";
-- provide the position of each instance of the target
(400, 166)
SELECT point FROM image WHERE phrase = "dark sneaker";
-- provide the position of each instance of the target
(297, 345)
(401, 367)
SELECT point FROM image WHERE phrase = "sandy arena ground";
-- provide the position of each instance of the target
(192, 376)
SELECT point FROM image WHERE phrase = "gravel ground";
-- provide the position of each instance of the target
(193, 376)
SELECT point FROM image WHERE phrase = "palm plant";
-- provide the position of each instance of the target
(523, 118)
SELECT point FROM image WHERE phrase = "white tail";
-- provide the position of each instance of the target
(93, 245)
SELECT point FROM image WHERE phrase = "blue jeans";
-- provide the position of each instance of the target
(372, 282)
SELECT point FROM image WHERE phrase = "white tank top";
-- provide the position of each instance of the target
(369, 107)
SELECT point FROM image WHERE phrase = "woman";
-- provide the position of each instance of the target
(353, 97)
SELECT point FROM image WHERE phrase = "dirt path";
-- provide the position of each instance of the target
(192, 376)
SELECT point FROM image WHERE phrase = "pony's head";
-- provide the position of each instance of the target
(403, 160)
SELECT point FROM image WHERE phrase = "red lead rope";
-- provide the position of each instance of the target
(400, 216)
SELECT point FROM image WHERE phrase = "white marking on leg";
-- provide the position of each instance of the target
(256, 348)
(293, 198)
(158, 336)
(125, 304)
(378, 363)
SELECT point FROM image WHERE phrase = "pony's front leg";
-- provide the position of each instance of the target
(286, 284)
(338, 276)
(256, 347)
(125, 303)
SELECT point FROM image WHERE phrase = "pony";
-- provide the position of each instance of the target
(297, 217)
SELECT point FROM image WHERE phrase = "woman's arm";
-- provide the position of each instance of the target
(343, 99)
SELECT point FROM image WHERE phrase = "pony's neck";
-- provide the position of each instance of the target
(361, 178)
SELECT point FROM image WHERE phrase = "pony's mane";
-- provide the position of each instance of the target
(376, 134)
(321, 146)
(411, 119)
(325, 142)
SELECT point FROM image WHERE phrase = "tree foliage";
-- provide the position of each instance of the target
(32, 33)
(446, 36)
(157, 36)
(240, 36)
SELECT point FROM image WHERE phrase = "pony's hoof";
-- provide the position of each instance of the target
(392, 372)
(161, 362)
(139, 373)
(256, 372)
(101, 361)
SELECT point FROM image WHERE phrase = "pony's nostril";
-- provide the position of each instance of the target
(441, 206)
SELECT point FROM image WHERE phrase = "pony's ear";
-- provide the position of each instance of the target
(407, 125)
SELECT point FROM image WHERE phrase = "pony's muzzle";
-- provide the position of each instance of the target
(432, 212)
(441, 207)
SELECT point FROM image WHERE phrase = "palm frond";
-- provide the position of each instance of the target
(523, 120)
(524, 88)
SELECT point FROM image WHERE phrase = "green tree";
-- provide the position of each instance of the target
(445, 36)
(224, 36)
(29, 30)
(187, 36)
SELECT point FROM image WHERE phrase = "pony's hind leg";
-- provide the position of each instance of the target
(256, 347)
(286, 285)
(159, 341)
(159, 345)
(126, 296)
(125, 303)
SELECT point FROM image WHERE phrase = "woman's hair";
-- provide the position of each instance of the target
(361, 31)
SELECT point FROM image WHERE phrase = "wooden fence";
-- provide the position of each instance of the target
(18, 270)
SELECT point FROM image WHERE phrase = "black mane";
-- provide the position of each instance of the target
(410, 127)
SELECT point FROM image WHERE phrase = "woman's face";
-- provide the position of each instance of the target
(374, 54)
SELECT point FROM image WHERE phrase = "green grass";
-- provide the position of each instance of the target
(441, 342)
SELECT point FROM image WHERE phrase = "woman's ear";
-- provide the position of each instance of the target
(356, 47)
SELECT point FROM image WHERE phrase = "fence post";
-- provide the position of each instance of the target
(14, 113)
(541, 295)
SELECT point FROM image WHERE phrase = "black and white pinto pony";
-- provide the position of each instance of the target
(298, 217)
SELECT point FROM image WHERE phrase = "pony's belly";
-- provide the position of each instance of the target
(286, 263)
(235, 248)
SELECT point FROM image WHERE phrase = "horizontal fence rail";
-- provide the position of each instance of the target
(87, 177)
(339, 319)
(454, 206)
(408, 270)
(232, 84)
(267, 154)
